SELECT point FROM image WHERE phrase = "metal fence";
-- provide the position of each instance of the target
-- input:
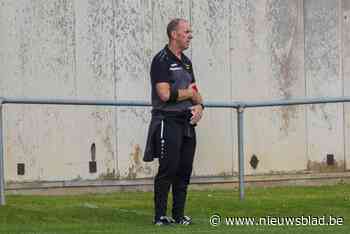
(239, 106)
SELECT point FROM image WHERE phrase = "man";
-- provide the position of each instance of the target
(177, 108)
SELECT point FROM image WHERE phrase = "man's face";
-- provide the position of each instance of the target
(183, 35)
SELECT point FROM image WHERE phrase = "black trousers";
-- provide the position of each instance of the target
(175, 167)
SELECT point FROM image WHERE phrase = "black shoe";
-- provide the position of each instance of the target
(164, 220)
(185, 220)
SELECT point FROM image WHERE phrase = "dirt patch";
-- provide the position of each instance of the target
(338, 166)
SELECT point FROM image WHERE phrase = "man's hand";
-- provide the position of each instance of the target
(197, 112)
(196, 97)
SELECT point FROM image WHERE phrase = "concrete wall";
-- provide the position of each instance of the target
(242, 50)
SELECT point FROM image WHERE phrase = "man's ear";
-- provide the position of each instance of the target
(173, 34)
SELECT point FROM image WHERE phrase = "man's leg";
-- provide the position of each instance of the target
(183, 175)
(168, 164)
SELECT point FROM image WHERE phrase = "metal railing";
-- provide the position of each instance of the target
(239, 106)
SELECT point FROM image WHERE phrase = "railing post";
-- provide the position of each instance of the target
(240, 124)
(2, 172)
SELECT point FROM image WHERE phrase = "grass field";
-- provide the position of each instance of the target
(131, 212)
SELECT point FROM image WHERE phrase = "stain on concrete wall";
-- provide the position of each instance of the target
(317, 166)
(133, 40)
(42, 64)
(137, 167)
(322, 61)
(95, 67)
(210, 23)
(286, 46)
(345, 26)
(267, 63)
(244, 51)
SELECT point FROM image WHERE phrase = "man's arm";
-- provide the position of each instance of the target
(163, 90)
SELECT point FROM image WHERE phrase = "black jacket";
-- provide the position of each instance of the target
(179, 119)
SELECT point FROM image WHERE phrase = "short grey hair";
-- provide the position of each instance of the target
(173, 25)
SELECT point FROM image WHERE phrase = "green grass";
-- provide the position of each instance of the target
(132, 212)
